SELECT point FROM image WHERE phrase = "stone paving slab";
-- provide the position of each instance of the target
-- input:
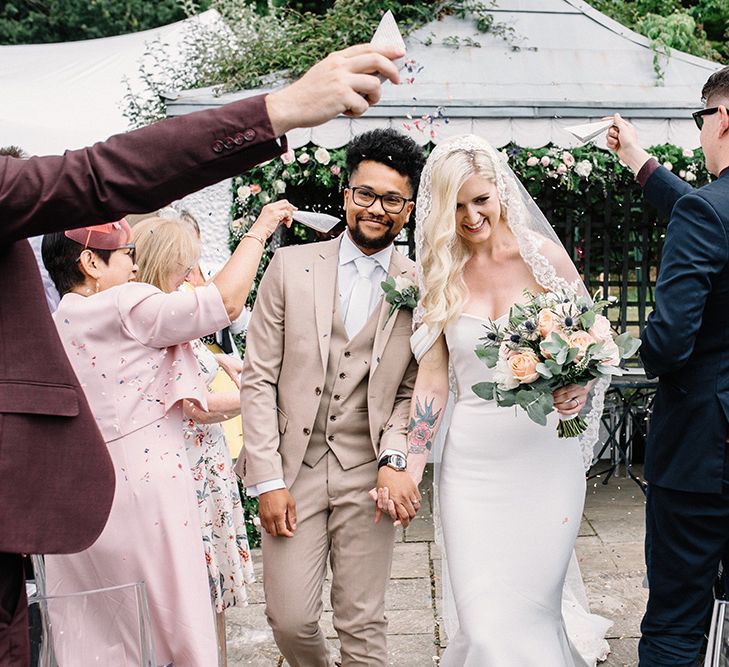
(609, 549)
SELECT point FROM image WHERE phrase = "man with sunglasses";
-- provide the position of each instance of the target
(326, 386)
(686, 345)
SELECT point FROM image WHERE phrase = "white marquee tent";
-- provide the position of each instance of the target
(69, 95)
(564, 63)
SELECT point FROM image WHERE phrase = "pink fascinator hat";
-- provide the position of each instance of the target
(109, 236)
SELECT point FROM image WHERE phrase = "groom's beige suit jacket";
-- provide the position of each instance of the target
(285, 364)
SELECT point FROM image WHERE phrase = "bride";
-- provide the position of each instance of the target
(509, 493)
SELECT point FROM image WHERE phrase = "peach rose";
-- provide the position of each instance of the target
(580, 340)
(547, 322)
(523, 366)
(601, 329)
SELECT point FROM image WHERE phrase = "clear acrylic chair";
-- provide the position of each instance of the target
(717, 651)
(105, 627)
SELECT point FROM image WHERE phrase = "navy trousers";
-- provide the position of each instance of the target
(687, 535)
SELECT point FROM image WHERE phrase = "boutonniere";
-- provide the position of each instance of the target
(400, 292)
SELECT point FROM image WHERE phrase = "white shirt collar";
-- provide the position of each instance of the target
(348, 252)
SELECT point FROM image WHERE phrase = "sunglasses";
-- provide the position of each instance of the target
(698, 116)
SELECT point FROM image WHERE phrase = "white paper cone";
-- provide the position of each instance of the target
(388, 34)
(321, 222)
(589, 131)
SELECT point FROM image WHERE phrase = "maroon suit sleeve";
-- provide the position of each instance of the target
(135, 172)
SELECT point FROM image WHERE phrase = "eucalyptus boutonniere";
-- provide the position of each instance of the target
(400, 292)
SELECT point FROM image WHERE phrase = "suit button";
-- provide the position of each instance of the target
(317, 391)
(330, 438)
(342, 376)
(347, 354)
(307, 431)
(336, 397)
(238, 139)
(228, 142)
(218, 146)
(249, 134)
(333, 418)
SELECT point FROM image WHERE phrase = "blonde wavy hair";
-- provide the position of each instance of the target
(163, 246)
(444, 253)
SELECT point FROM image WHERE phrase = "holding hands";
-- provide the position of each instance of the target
(396, 495)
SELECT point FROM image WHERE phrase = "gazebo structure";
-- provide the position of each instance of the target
(546, 64)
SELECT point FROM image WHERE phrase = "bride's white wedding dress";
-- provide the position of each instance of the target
(511, 495)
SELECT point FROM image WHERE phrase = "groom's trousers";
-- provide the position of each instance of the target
(335, 520)
(687, 534)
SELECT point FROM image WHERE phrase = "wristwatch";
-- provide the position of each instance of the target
(395, 461)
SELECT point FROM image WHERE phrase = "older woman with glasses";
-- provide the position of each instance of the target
(128, 344)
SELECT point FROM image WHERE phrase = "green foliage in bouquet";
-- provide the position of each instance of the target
(550, 341)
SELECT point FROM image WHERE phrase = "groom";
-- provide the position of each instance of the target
(685, 344)
(326, 386)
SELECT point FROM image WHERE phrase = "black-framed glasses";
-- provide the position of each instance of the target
(699, 115)
(131, 251)
(365, 198)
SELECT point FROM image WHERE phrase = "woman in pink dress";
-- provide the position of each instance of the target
(128, 344)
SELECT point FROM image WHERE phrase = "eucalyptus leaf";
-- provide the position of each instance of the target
(484, 390)
(489, 354)
(543, 370)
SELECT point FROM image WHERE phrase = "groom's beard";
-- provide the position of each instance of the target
(373, 242)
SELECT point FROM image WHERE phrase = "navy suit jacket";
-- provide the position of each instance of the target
(686, 340)
(56, 477)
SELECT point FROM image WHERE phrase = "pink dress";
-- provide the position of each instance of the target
(127, 346)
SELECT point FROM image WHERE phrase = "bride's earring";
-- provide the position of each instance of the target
(97, 287)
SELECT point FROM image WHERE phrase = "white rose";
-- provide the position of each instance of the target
(402, 283)
(568, 159)
(583, 168)
(265, 197)
(561, 168)
(682, 173)
(288, 157)
(321, 155)
(687, 152)
(303, 158)
(532, 161)
(503, 376)
(668, 165)
(243, 192)
(690, 176)
(279, 186)
(545, 161)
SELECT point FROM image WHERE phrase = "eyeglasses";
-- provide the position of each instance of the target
(699, 115)
(131, 252)
(365, 198)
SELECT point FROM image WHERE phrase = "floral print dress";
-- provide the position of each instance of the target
(227, 553)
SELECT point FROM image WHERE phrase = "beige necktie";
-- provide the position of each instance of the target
(358, 310)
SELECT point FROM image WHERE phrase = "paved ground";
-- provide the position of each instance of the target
(609, 548)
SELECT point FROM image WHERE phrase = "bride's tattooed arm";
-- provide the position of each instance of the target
(420, 429)
(427, 405)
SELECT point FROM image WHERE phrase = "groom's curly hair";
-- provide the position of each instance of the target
(391, 148)
(716, 84)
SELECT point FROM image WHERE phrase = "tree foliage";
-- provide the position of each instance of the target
(41, 21)
(700, 27)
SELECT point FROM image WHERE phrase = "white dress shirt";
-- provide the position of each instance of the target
(346, 278)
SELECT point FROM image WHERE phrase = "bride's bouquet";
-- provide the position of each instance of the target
(551, 341)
